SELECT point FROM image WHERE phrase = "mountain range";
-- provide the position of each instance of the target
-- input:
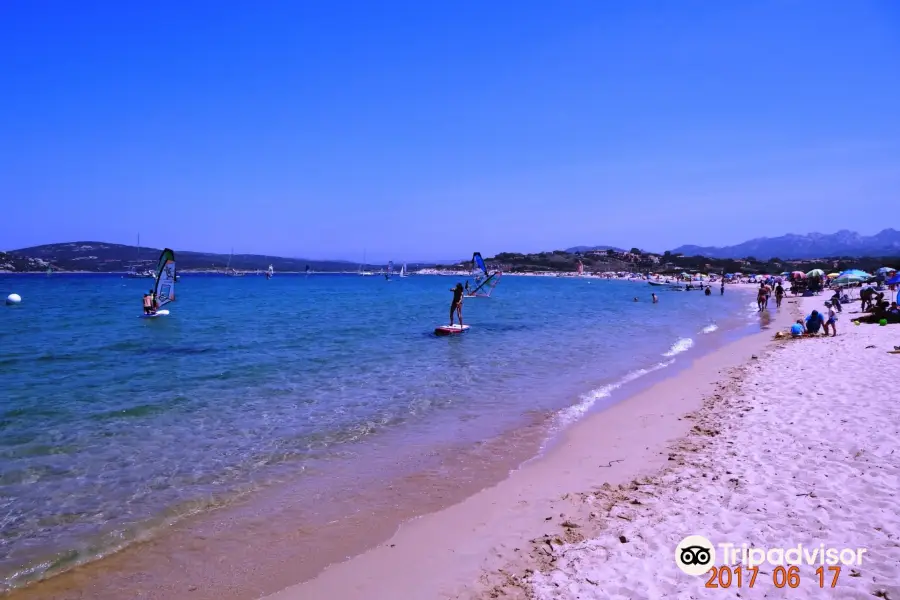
(813, 245)
(583, 249)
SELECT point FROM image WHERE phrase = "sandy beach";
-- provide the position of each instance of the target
(768, 443)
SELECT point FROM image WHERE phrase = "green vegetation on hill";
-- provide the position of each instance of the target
(100, 257)
(635, 260)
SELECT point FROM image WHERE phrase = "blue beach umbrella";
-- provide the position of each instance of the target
(856, 273)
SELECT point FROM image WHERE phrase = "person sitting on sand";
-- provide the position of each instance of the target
(814, 322)
(707, 291)
(797, 329)
(456, 305)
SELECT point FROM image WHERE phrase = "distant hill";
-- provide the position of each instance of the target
(583, 249)
(109, 258)
(813, 245)
(13, 262)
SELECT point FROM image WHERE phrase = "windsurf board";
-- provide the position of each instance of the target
(159, 313)
(450, 329)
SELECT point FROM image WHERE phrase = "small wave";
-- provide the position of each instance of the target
(682, 345)
(571, 414)
(710, 328)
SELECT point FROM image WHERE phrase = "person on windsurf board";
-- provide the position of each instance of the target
(148, 303)
(456, 305)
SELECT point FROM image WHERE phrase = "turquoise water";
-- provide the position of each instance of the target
(108, 421)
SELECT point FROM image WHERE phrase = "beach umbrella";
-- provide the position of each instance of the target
(816, 273)
(885, 271)
(856, 273)
(798, 275)
(894, 280)
(848, 278)
(833, 275)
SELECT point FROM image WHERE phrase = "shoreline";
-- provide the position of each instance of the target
(754, 470)
(459, 551)
(152, 556)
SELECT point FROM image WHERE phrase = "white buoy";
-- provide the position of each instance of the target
(13, 299)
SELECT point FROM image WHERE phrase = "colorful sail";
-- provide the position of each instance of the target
(165, 278)
(486, 287)
(478, 264)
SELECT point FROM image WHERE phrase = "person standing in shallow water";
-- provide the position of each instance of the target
(456, 305)
(655, 299)
(779, 295)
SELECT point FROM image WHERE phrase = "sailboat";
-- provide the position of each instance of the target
(164, 290)
(361, 272)
(133, 272)
(403, 271)
(389, 271)
(232, 272)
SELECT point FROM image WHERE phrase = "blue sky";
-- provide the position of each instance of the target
(426, 130)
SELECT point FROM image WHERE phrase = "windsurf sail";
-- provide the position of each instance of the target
(403, 270)
(486, 287)
(580, 268)
(478, 266)
(270, 271)
(165, 278)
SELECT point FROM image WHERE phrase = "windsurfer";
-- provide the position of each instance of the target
(467, 288)
(148, 303)
(456, 305)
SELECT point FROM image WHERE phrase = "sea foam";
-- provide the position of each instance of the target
(571, 414)
(682, 345)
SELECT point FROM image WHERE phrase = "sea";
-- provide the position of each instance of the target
(113, 429)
